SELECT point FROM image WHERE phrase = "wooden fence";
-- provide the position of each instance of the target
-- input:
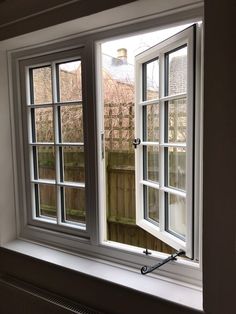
(121, 204)
(120, 201)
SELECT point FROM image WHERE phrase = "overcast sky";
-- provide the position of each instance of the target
(137, 44)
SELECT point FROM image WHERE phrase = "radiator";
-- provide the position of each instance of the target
(57, 300)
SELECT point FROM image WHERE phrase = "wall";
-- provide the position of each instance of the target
(21, 16)
(219, 246)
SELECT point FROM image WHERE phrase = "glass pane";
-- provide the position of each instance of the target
(152, 159)
(177, 168)
(41, 85)
(152, 203)
(46, 162)
(44, 124)
(74, 204)
(151, 123)
(177, 214)
(151, 80)
(47, 200)
(72, 124)
(177, 120)
(70, 82)
(177, 71)
(73, 164)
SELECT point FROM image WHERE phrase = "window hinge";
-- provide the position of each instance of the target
(147, 269)
(102, 145)
(136, 142)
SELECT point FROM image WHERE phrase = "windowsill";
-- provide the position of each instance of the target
(186, 295)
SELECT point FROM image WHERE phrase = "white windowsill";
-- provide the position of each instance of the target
(185, 295)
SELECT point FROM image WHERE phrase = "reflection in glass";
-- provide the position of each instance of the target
(177, 214)
(74, 204)
(70, 81)
(152, 80)
(152, 158)
(46, 162)
(177, 71)
(72, 124)
(152, 203)
(177, 167)
(47, 200)
(177, 121)
(44, 124)
(73, 164)
(41, 85)
(151, 123)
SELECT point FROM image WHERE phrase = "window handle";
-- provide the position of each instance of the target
(147, 269)
(136, 142)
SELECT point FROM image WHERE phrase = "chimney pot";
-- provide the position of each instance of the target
(122, 55)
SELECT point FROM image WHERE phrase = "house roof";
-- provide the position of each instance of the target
(119, 70)
(122, 71)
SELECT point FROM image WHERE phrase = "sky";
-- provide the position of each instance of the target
(133, 44)
(137, 44)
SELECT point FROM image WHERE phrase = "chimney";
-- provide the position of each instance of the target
(122, 55)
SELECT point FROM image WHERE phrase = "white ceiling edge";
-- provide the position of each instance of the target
(107, 19)
(36, 13)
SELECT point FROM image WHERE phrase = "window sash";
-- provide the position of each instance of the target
(180, 40)
(31, 143)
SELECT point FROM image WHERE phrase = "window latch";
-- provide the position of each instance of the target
(136, 142)
(147, 269)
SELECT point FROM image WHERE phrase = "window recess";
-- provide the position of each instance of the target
(164, 124)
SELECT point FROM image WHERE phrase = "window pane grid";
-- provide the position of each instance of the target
(177, 145)
(70, 124)
(151, 79)
(41, 85)
(176, 71)
(44, 181)
(174, 151)
(46, 138)
(176, 120)
(68, 103)
(151, 201)
(56, 144)
(163, 188)
(175, 221)
(171, 144)
(175, 168)
(53, 182)
(162, 99)
(73, 211)
(55, 104)
(45, 200)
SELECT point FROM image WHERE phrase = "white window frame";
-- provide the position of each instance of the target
(94, 244)
(25, 65)
(185, 37)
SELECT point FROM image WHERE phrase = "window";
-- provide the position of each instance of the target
(148, 136)
(53, 111)
(86, 184)
(164, 127)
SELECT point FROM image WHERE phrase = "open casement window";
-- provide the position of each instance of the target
(164, 128)
(54, 139)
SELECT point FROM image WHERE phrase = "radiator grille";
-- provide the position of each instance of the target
(45, 295)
